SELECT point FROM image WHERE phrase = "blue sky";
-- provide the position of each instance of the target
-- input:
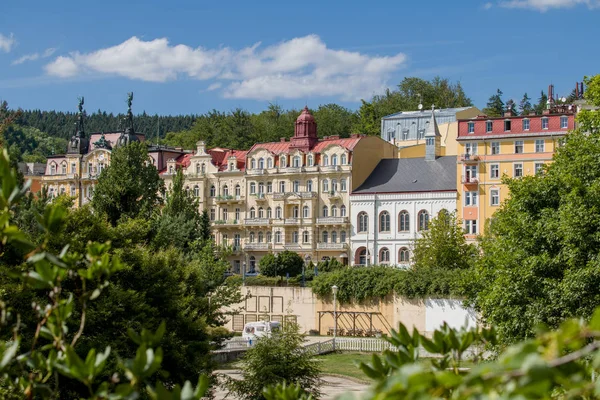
(193, 56)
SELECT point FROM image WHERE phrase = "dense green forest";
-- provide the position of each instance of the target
(37, 134)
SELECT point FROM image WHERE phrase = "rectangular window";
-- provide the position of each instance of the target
(494, 171)
(518, 170)
(471, 198)
(212, 214)
(518, 146)
(471, 127)
(237, 214)
(564, 122)
(539, 145)
(471, 148)
(495, 147)
(525, 124)
(269, 187)
(471, 226)
(507, 126)
(488, 126)
(538, 167)
(470, 173)
(495, 197)
(545, 123)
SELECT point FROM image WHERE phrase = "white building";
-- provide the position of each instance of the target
(396, 202)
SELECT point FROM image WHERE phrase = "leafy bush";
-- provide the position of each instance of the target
(283, 264)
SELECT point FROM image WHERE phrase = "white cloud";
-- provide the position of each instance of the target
(34, 56)
(487, 6)
(545, 5)
(7, 42)
(291, 69)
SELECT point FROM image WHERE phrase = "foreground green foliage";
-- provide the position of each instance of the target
(286, 263)
(540, 254)
(277, 359)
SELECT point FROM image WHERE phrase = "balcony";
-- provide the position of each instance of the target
(292, 221)
(197, 175)
(292, 170)
(257, 221)
(257, 246)
(331, 168)
(307, 195)
(469, 157)
(256, 171)
(279, 196)
(227, 223)
(228, 199)
(331, 246)
(332, 220)
(260, 197)
(292, 246)
(334, 195)
(469, 180)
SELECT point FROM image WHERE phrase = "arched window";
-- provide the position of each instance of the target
(305, 237)
(282, 187)
(52, 169)
(325, 211)
(238, 190)
(334, 159)
(305, 212)
(296, 186)
(334, 187)
(343, 186)
(269, 162)
(334, 211)
(269, 237)
(252, 265)
(252, 212)
(253, 164)
(278, 212)
(269, 213)
(260, 237)
(231, 166)
(212, 191)
(342, 211)
(296, 212)
(384, 255)
(63, 168)
(296, 162)
(325, 185)
(334, 237)
(310, 160)
(252, 188)
(403, 255)
(444, 215)
(325, 237)
(261, 188)
(309, 186)
(203, 168)
(363, 222)
(277, 236)
(295, 237)
(282, 161)
(384, 221)
(198, 168)
(403, 221)
(269, 187)
(196, 191)
(362, 256)
(251, 237)
(261, 163)
(325, 160)
(343, 236)
(261, 212)
(423, 220)
(225, 190)
(344, 159)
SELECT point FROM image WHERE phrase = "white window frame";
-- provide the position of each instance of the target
(515, 170)
(497, 167)
(470, 127)
(527, 122)
(539, 142)
(545, 122)
(522, 146)
(471, 199)
(494, 195)
(564, 119)
(471, 226)
(496, 146)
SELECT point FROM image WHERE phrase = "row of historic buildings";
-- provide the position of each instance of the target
(360, 199)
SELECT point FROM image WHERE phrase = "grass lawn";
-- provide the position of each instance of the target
(344, 364)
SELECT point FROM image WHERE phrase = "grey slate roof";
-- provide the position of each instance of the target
(411, 175)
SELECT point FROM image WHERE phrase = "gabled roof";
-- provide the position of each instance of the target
(411, 175)
(284, 147)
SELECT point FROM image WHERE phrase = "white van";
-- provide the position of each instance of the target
(255, 330)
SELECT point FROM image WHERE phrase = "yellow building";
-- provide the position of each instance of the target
(490, 148)
(286, 195)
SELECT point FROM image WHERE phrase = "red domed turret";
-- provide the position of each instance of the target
(305, 132)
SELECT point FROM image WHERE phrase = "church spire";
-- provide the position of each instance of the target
(432, 138)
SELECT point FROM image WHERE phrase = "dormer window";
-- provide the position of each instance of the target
(325, 160)
(564, 122)
(471, 127)
(343, 159)
(171, 169)
(253, 163)
(334, 159)
(283, 162)
(269, 162)
(296, 161)
(489, 126)
(507, 125)
(261, 163)
(203, 168)
(544, 122)
(64, 168)
(197, 168)
(231, 166)
(310, 160)
(525, 124)
(53, 169)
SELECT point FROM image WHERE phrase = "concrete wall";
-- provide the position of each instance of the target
(311, 313)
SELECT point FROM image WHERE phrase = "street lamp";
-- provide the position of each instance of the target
(334, 289)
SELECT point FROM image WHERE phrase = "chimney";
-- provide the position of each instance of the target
(282, 140)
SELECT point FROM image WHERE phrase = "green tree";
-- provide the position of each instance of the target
(525, 106)
(495, 105)
(510, 107)
(542, 103)
(277, 359)
(204, 226)
(333, 119)
(286, 262)
(540, 261)
(130, 186)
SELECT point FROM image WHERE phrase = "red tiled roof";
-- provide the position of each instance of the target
(284, 147)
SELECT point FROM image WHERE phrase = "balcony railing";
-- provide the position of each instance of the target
(279, 196)
(292, 221)
(331, 168)
(227, 222)
(260, 196)
(469, 180)
(292, 246)
(256, 171)
(257, 221)
(257, 246)
(229, 199)
(334, 194)
(292, 170)
(332, 220)
(194, 175)
(331, 246)
(307, 195)
(469, 157)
